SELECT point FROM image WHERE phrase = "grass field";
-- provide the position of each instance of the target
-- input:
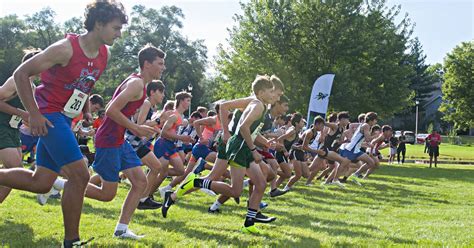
(400, 205)
(447, 152)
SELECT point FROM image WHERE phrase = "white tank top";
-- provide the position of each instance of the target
(356, 141)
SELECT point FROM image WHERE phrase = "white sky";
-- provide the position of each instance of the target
(440, 24)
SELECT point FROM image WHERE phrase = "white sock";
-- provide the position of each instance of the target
(143, 199)
(121, 227)
(59, 183)
(286, 188)
(215, 205)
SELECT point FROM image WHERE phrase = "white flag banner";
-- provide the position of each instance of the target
(319, 101)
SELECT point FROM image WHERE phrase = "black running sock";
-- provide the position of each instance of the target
(69, 243)
(202, 183)
(273, 190)
(250, 218)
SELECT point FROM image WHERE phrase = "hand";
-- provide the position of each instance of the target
(25, 116)
(39, 124)
(204, 141)
(143, 131)
(286, 154)
(88, 119)
(186, 139)
(257, 157)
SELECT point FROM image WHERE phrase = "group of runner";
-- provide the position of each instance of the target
(249, 137)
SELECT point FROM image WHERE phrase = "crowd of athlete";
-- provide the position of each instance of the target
(248, 142)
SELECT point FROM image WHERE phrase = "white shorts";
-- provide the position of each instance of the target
(393, 151)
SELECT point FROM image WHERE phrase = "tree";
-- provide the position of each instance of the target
(185, 59)
(11, 45)
(458, 90)
(301, 40)
(422, 81)
(43, 31)
(74, 25)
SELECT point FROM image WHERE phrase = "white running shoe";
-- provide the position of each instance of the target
(43, 198)
(163, 191)
(339, 184)
(208, 191)
(128, 234)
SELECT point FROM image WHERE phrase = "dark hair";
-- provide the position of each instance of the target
(104, 11)
(211, 113)
(149, 53)
(180, 96)
(217, 107)
(386, 128)
(261, 83)
(361, 118)
(101, 112)
(196, 115)
(277, 83)
(97, 99)
(318, 120)
(283, 99)
(343, 115)
(154, 86)
(375, 128)
(332, 117)
(296, 118)
(370, 116)
(201, 109)
(169, 105)
(29, 53)
(287, 118)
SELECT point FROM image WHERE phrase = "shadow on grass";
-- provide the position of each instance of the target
(238, 239)
(11, 231)
(426, 173)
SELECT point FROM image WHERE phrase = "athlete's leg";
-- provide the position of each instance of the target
(10, 158)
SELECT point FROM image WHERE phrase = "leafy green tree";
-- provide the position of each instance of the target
(74, 25)
(301, 40)
(458, 90)
(185, 61)
(43, 30)
(11, 45)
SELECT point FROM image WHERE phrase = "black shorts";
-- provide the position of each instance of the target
(281, 158)
(433, 151)
(142, 151)
(297, 155)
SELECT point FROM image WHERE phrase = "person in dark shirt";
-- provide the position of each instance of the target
(393, 149)
(401, 147)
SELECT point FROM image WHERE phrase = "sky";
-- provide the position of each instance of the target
(440, 24)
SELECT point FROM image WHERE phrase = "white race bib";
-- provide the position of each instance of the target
(15, 121)
(75, 104)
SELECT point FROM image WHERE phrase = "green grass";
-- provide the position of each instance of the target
(408, 205)
(447, 152)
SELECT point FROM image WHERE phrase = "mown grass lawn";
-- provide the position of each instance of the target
(399, 205)
(447, 152)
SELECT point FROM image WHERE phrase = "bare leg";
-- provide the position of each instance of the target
(11, 158)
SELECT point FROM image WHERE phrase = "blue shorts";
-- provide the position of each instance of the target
(164, 148)
(28, 142)
(110, 161)
(350, 155)
(200, 151)
(59, 147)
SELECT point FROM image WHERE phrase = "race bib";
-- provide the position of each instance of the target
(15, 121)
(75, 104)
